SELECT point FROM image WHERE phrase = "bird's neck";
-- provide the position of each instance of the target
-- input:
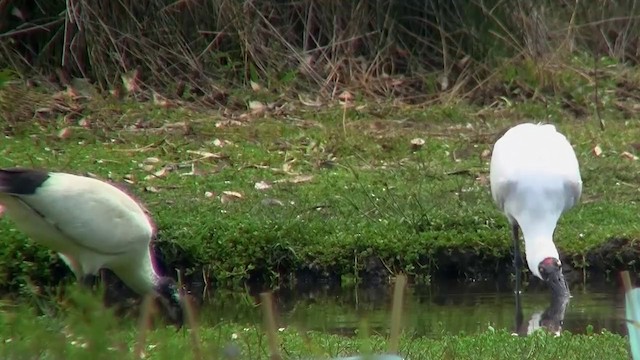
(142, 278)
(538, 239)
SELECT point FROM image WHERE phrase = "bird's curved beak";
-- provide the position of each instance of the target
(551, 272)
(177, 314)
(172, 299)
(557, 283)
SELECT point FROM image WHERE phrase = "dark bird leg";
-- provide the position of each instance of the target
(519, 317)
(517, 258)
(517, 264)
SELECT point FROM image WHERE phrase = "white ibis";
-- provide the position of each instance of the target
(91, 225)
(535, 178)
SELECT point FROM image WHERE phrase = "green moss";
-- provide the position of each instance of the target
(363, 191)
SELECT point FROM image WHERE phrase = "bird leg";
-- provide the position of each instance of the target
(519, 317)
(517, 258)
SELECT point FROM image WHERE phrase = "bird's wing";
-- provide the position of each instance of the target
(573, 191)
(91, 213)
(500, 190)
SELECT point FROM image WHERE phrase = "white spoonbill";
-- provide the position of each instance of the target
(91, 225)
(535, 178)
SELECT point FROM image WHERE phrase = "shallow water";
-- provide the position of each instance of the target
(432, 311)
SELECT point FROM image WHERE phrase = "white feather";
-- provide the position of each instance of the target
(535, 177)
(91, 224)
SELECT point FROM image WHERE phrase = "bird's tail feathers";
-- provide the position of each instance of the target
(21, 181)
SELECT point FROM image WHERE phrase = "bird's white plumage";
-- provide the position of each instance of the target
(535, 177)
(91, 224)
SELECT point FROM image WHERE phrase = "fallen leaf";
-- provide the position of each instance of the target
(84, 88)
(151, 189)
(286, 167)
(147, 167)
(208, 194)
(233, 193)
(628, 155)
(84, 122)
(182, 125)
(228, 196)
(255, 86)
(43, 110)
(225, 123)
(64, 133)
(417, 143)
(220, 143)
(482, 179)
(205, 154)
(272, 202)
(257, 107)
(151, 160)
(161, 101)
(296, 179)
(261, 185)
(346, 96)
(309, 102)
(72, 92)
(486, 153)
(301, 178)
(160, 173)
(597, 150)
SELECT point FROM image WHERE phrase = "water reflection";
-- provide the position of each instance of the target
(434, 310)
(551, 319)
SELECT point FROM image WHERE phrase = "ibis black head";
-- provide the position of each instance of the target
(551, 271)
(171, 299)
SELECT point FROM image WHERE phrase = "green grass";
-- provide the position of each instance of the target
(166, 344)
(369, 194)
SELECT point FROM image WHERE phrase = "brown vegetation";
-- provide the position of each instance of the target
(410, 50)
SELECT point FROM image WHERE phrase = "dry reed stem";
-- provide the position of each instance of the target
(144, 323)
(396, 313)
(270, 325)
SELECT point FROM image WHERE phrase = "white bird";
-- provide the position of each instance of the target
(91, 225)
(535, 178)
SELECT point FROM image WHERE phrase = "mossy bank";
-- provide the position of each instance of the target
(290, 191)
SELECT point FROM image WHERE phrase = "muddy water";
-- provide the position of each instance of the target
(433, 310)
